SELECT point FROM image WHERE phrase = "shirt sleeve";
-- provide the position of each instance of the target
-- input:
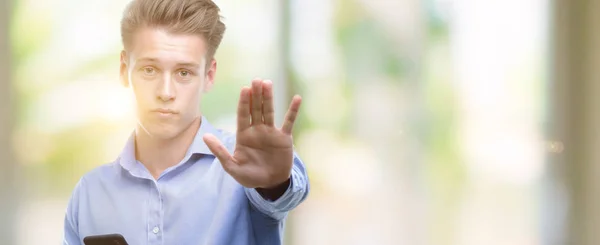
(71, 230)
(291, 198)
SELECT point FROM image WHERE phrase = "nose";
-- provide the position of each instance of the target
(166, 89)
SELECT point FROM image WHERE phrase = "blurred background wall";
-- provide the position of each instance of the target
(423, 122)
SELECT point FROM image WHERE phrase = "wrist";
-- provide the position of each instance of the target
(274, 192)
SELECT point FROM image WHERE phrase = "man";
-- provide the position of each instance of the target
(179, 180)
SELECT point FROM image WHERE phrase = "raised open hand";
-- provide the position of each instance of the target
(263, 155)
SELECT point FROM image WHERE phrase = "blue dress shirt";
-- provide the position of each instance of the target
(194, 202)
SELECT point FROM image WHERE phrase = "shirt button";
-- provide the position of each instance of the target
(155, 230)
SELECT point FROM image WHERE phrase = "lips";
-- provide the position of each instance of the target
(164, 111)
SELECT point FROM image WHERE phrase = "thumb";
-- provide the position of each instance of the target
(217, 148)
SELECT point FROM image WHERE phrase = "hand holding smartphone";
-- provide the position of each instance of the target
(107, 239)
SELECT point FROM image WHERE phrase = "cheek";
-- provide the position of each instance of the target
(190, 96)
(140, 84)
(142, 93)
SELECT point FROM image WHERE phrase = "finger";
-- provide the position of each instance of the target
(217, 148)
(292, 113)
(256, 110)
(243, 117)
(268, 111)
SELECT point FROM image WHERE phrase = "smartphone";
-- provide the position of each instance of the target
(107, 239)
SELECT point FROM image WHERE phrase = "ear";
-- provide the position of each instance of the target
(210, 76)
(123, 73)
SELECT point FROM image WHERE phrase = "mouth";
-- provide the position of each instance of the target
(164, 111)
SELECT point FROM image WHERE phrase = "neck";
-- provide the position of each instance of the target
(159, 154)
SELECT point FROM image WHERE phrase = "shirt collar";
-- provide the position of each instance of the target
(127, 157)
(198, 145)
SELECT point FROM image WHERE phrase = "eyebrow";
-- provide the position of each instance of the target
(189, 65)
(184, 64)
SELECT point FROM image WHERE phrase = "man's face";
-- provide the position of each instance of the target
(167, 73)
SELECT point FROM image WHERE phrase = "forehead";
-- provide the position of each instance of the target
(166, 47)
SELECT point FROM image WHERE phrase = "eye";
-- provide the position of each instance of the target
(184, 73)
(149, 71)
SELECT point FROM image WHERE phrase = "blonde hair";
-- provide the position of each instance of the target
(197, 17)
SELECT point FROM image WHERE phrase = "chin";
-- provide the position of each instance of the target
(161, 131)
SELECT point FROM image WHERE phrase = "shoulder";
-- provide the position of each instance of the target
(89, 183)
(102, 173)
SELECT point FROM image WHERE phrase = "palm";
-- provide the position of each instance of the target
(263, 154)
